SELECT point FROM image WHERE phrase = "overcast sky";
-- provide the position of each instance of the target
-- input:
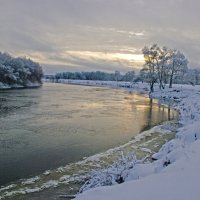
(85, 35)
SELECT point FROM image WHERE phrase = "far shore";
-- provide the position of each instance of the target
(20, 87)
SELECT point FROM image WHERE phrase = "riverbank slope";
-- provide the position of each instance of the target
(175, 173)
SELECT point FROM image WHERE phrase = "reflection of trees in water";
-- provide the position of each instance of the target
(169, 113)
(149, 116)
(163, 113)
(163, 110)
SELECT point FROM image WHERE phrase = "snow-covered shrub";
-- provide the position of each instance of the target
(115, 174)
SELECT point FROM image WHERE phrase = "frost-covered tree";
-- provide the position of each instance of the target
(177, 65)
(129, 76)
(162, 65)
(195, 75)
(150, 57)
(156, 63)
(20, 71)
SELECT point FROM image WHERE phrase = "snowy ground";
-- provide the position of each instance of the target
(175, 175)
(178, 181)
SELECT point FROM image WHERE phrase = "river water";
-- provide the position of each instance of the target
(58, 124)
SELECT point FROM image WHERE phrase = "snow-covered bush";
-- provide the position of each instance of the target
(115, 174)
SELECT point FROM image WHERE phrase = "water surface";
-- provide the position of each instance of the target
(58, 124)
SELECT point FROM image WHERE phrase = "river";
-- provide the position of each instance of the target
(58, 124)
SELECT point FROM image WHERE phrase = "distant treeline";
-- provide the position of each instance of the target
(19, 71)
(191, 76)
(97, 75)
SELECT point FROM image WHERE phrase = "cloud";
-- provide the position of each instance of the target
(47, 30)
(88, 60)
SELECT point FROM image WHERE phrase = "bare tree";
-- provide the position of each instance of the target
(177, 65)
(151, 60)
(162, 65)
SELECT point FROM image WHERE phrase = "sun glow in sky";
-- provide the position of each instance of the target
(139, 58)
(129, 57)
(90, 35)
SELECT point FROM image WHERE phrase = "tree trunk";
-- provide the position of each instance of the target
(171, 80)
(151, 87)
(161, 85)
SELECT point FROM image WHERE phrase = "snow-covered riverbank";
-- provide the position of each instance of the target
(4, 86)
(175, 173)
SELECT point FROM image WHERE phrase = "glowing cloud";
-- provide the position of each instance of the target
(138, 58)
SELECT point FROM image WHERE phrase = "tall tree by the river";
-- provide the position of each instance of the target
(177, 66)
